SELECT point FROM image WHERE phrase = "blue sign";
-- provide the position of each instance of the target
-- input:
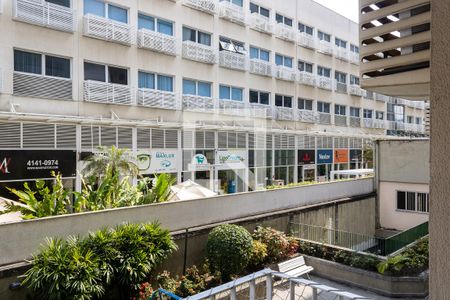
(324, 156)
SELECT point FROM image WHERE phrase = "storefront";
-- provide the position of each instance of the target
(157, 161)
(324, 162)
(284, 165)
(306, 165)
(260, 169)
(199, 167)
(356, 159)
(231, 169)
(340, 159)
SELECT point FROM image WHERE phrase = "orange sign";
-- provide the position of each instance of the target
(340, 156)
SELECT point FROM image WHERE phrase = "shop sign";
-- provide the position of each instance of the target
(158, 161)
(340, 156)
(231, 159)
(355, 155)
(36, 164)
(306, 157)
(199, 163)
(324, 156)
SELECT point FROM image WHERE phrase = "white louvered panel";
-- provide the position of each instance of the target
(261, 23)
(260, 111)
(232, 107)
(207, 6)
(232, 12)
(188, 139)
(222, 140)
(340, 120)
(340, 142)
(324, 118)
(341, 53)
(324, 142)
(324, 83)
(277, 141)
(198, 52)
(285, 32)
(284, 113)
(261, 67)
(125, 137)
(291, 142)
(307, 78)
(103, 92)
(90, 137)
(354, 58)
(157, 136)
(198, 103)
(158, 99)
(45, 14)
(251, 141)
(355, 143)
(10, 135)
(107, 29)
(232, 60)
(306, 142)
(38, 135)
(232, 140)
(66, 136)
(325, 48)
(39, 86)
(355, 90)
(306, 40)
(269, 139)
(285, 73)
(260, 141)
(307, 116)
(210, 140)
(199, 140)
(143, 138)
(340, 87)
(241, 140)
(355, 122)
(108, 136)
(171, 138)
(156, 41)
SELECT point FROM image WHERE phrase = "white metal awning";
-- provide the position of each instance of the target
(354, 172)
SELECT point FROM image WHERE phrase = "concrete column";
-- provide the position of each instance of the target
(439, 152)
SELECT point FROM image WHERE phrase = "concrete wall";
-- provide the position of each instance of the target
(20, 239)
(392, 218)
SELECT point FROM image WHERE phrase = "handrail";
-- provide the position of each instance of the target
(160, 291)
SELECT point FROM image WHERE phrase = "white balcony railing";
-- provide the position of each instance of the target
(261, 23)
(257, 110)
(103, 92)
(232, 60)
(198, 103)
(284, 113)
(158, 99)
(368, 123)
(198, 52)
(369, 95)
(307, 116)
(232, 107)
(107, 29)
(355, 90)
(46, 14)
(207, 6)
(380, 97)
(261, 67)
(340, 120)
(156, 41)
(307, 78)
(40, 86)
(325, 47)
(355, 122)
(285, 73)
(341, 87)
(232, 12)
(285, 32)
(390, 125)
(324, 83)
(341, 53)
(354, 58)
(324, 118)
(306, 40)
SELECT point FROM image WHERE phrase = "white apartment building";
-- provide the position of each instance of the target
(232, 94)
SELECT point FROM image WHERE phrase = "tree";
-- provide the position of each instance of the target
(156, 190)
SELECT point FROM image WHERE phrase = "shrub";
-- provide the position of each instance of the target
(276, 242)
(145, 292)
(258, 255)
(229, 249)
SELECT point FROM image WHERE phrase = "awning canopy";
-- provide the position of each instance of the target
(189, 190)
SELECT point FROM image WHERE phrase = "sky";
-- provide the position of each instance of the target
(347, 8)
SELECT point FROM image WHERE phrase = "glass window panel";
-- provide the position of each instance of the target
(146, 22)
(264, 98)
(288, 62)
(236, 94)
(165, 27)
(288, 21)
(278, 100)
(27, 62)
(264, 12)
(278, 60)
(254, 52)
(117, 75)
(264, 55)
(308, 104)
(165, 83)
(287, 101)
(57, 66)
(238, 2)
(94, 7)
(401, 200)
(253, 97)
(224, 92)
(204, 89)
(204, 38)
(279, 18)
(65, 3)
(189, 87)
(94, 72)
(117, 13)
(146, 80)
(189, 34)
(253, 8)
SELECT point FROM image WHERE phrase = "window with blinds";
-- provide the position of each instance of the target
(413, 201)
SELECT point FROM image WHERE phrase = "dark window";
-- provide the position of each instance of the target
(401, 200)
(253, 97)
(254, 8)
(117, 75)
(94, 72)
(264, 12)
(264, 98)
(27, 62)
(57, 66)
(65, 3)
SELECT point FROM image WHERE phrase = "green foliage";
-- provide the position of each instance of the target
(276, 241)
(258, 255)
(229, 249)
(111, 160)
(157, 190)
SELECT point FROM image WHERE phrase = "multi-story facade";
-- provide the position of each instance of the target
(231, 93)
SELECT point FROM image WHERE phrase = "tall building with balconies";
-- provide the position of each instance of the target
(233, 94)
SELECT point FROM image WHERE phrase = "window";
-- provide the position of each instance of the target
(306, 29)
(340, 77)
(379, 115)
(305, 67)
(196, 36)
(282, 19)
(99, 72)
(413, 201)
(418, 121)
(283, 101)
(305, 104)
(65, 3)
(230, 93)
(395, 112)
(339, 110)
(36, 63)
(257, 53)
(106, 10)
(151, 23)
(259, 97)
(155, 81)
(340, 43)
(323, 107)
(196, 88)
(367, 113)
(226, 44)
(324, 72)
(354, 80)
(259, 10)
(236, 2)
(354, 49)
(354, 112)
(281, 60)
(324, 36)
(410, 119)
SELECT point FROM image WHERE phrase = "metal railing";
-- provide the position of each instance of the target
(156, 41)
(257, 110)
(207, 6)
(324, 118)
(284, 113)
(157, 99)
(232, 12)
(307, 78)
(354, 58)
(231, 60)
(341, 53)
(325, 47)
(306, 40)
(285, 73)
(355, 90)
(197, 103)
(307, 116)
(232, 107)
(341, 87)
(107, 29)
(41, 86)
(261, 67)
(285, 32)
(324, 83)
(104, 92)
(198, 52)
(261, 23)
(355, 122)
(340, 120)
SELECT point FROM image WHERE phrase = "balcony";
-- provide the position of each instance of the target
(325, 48)
(324, 83)
(285, 73)
(157, 99)
(232, 107)
(369, 95)
(369, 123)
(354, 58)
(108, 93)
(257, 110)
(307, 116)
(340, 120)
(198, 52)
(341, 87)
(156, 41)
(324, 118)
(232, 60)
(355, 122)
(341, 53)
(107, 30)
(261, 67)
(44, 14)
(380, 97)
(261, 23)
(355, 90)
(198, 103)
(307, 78)
(284, 113)
(206, 6)
(232, 12)
(306, 40)
(285, 32)
(40, 86)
